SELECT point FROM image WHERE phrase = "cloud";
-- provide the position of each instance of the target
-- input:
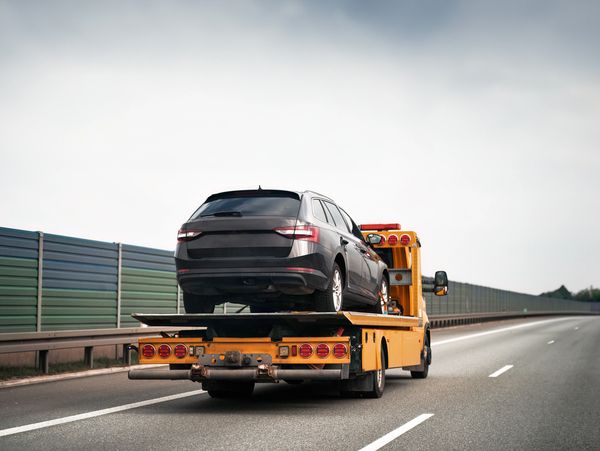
(473, 123)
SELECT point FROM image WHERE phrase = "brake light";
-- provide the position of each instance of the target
(164, 351)
(322, 350)
(380, 226)
(187, 235)
(405, 239)
(304, 232)
(392, 240)
(148, 351)
(340, 350)
(305, 350)
(180, 351)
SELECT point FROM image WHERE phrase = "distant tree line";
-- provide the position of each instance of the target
(590, 294)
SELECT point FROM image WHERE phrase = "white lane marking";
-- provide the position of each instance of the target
(504, 369)
(496, 331)
(95, 413)
(387, 438)
(550, 342)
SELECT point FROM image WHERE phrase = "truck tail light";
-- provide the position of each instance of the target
(164, 351)
(180, 351)
(305, 350)
(322, 350)
(405, 239)
(340, 350)
(302, 232)
(392, 240)
(187, 235)
(148, 351)
(294, 350)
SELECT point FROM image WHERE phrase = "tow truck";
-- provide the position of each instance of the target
(230, 353)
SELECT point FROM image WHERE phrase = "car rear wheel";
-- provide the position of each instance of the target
(332, 299)
(383, 298)
(194, 303)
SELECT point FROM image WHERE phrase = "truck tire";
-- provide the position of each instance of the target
(194, 303)
(370, 385)
(332, 299)
(425, 361)
(227, 389)
(378, 380)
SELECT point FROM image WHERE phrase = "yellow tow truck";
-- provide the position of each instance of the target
(229, 354)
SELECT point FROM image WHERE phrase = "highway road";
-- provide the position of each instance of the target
(510, 385)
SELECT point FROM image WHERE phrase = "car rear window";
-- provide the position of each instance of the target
(250, 206)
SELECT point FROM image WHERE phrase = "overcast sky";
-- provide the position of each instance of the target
(477, 124)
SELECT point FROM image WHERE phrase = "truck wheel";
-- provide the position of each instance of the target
(382, 302)
(194, 303)
(425, 361)
(331, 300)
(378, 380)
(226, 389)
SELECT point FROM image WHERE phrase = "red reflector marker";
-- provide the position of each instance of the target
(305, 350)
(148, 351)
(392, 240)
(340, 350)
(405, 239)
(294, 350)
(322, 350)
(180, 351)
(164, 351)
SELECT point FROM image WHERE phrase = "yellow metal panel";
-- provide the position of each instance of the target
(373, 320)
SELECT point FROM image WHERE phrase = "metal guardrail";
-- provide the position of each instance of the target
(438, 321)
(44, 342)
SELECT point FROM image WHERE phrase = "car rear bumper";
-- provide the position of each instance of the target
(242, 281)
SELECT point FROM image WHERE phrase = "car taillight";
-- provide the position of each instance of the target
(340, 350)
(405, 239)
(322, 350)
(187, 235)
(305, 350)
(148, 351)
(304, 232)
(392, 240)
(164, 351)
(180, 351)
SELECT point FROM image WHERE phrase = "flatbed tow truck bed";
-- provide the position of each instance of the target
(224, 350)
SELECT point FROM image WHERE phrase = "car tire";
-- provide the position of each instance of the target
(332, 299)
(382, 298)
(194, 303)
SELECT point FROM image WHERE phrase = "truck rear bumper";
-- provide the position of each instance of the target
(257, 374)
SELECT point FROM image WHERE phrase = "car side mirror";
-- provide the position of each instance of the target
(440, 283)
(373, 238)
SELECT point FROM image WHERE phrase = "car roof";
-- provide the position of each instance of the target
(265, 192)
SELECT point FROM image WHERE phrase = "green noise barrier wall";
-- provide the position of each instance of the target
(52, 282)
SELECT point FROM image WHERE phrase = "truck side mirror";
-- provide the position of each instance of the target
(373, 238)
(440, 283)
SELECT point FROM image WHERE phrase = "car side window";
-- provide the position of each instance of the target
(318, 210)
(337, 217)
(355, 229)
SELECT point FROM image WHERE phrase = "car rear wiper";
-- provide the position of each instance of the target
(224, 213)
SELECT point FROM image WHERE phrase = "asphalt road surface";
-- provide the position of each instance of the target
(521, 384)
